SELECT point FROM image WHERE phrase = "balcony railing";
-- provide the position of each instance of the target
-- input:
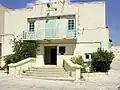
(48, 34)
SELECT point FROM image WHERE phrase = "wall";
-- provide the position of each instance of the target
(100, 35)
(86, 17)
(71, 49)
(2, 15)
(2, 22)
(116, 51)
(21, 66)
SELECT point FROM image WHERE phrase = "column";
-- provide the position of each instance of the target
(77, 75)
(39, 57)
(60, 60)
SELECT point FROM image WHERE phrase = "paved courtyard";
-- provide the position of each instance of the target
(110, 82)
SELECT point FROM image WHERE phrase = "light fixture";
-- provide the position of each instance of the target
(48, 5)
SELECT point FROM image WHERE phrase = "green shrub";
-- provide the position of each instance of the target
(1, 68)
(79, 60)
(101, 60)
(21, 50)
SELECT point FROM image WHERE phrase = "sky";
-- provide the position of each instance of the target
(112, 14)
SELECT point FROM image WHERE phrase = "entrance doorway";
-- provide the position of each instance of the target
(50, 55)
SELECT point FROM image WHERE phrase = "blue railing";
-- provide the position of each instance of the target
(46, 34)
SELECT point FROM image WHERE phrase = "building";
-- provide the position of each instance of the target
(62, 29)
(116, 51)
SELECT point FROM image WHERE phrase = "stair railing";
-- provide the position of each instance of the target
(72, 68)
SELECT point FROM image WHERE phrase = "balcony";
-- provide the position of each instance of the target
(49, 34)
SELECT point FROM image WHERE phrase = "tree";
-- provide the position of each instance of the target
(21, 50)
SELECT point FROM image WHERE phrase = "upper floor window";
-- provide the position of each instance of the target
(31, 26)
(71, 24)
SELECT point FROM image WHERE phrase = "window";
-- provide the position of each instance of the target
(62, 50)
(31, 26)
(87, 56)
(71, 24)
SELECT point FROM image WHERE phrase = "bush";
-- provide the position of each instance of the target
(79, 60)
(21, 50)
(101, 60)
(1, 68)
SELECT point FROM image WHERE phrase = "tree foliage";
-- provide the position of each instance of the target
(77, 60)
(101, 60)
(21, 50)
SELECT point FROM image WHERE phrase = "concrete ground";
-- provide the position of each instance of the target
(110, 82)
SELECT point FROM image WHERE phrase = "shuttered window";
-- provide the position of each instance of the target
(71, 24)
(31, 26)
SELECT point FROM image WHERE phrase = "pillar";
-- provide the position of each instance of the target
(60, 60)
(77, 75)
(2, 62)
(39, 57)
(39, 61)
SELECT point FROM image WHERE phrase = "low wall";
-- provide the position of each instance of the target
(74, 70)
(97, 75)
(21, 66)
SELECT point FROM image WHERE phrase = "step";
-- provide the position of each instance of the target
(35, 72)
(65, 78)
(47, 75)
(47, 70)
(37, 68)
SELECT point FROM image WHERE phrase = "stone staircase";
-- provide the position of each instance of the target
(46, 72)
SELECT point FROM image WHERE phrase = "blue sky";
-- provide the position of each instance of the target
(112, 14)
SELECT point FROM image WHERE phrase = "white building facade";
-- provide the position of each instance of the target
(62, 29)
(116, 51)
